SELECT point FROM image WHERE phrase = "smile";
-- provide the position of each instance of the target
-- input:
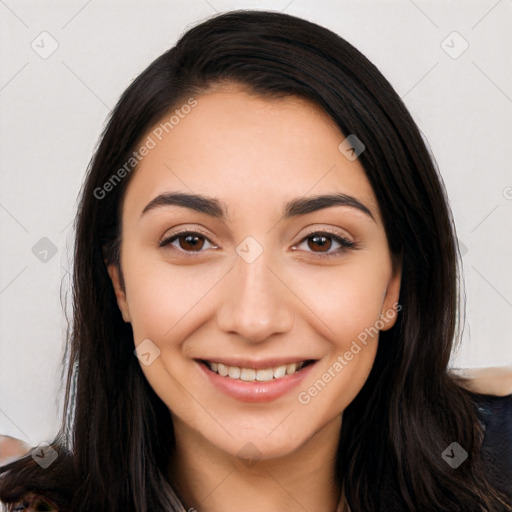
(255, 381)
(254, 374)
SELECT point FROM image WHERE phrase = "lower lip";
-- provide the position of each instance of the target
(256, 391)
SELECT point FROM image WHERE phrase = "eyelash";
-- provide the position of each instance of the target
(345, 244)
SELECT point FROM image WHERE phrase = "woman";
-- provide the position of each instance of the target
(293, 359)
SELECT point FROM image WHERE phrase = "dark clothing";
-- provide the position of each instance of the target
(496, 415)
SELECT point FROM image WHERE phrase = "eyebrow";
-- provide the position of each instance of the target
(217, 209)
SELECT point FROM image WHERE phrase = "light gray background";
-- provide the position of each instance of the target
(53, 110)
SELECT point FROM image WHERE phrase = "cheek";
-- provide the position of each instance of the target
(346, 300)
(348, 309)
(346, 304)
(162, 297)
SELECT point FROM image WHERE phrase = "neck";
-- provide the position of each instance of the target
(210, 480)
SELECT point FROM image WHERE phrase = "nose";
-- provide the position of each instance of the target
(255, 302)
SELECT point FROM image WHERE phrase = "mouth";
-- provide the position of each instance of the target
(256, 372)
(256, 381)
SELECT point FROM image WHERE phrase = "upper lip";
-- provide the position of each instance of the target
(257, 363)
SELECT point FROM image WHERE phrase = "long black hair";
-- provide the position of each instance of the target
(117, 435)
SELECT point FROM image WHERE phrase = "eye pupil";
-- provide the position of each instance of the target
(193, 242)
(321, 241)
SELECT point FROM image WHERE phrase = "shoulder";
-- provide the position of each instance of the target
(495, 413)
(491, 390)
(496, 381)
(11, 449)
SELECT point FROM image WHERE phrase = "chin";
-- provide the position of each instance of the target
(251, 446)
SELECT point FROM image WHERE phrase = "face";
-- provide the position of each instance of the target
(255, 278)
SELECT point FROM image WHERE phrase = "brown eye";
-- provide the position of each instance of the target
(321, 244)
(187, 242)
(191, 242)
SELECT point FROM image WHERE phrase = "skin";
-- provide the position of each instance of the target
(488, 381)
(254, 154)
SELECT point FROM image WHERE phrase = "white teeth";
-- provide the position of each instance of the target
(234, 372)
(290, 368)
(247, 374)
(264, 375)
(252, 374)
(280, 371)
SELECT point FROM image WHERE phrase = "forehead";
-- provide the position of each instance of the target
(247, 150)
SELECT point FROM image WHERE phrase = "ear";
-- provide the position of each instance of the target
(113, 272)
(390, 305)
